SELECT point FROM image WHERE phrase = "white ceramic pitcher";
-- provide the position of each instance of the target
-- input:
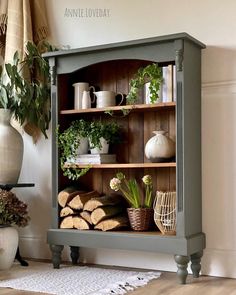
(79, 88)
(107, 98)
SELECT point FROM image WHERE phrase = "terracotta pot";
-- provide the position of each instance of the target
(11, 149)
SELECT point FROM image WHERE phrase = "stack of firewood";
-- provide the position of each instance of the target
(88, 210)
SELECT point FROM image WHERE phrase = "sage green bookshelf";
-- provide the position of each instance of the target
(111, 67)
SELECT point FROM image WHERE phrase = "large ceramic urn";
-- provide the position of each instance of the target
(9, 239)
(11, 149)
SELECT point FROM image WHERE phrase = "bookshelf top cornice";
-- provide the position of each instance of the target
(146, 41)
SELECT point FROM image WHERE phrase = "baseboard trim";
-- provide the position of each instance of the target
(34, 247)
(219, 263)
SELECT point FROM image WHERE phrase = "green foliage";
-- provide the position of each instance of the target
(131, 191)
(108, 130)
(69, 140)
(151, 73)
(12, 210)
(68, 143)
(28, 96)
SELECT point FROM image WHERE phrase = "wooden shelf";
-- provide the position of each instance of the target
(124, 165)
(137, 107)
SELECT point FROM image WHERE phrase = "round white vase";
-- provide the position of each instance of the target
(159, 148)
(9, 239)
(11, 149)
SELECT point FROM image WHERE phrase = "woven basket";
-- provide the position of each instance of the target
(165, 212)
(141, 218)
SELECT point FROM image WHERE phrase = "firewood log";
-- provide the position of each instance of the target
(86, 216)
(102, 201)
(79, 200)
(80, 223)
(66, 211)
(66, 195)
(104, 212)
(113, 223)
(67, 222)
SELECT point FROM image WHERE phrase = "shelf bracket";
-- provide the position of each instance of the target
(179, 55)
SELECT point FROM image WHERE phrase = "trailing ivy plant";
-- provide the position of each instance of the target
(151, 73)
(68, 143)
(25, 87)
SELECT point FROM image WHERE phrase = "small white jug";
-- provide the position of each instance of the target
(86, 100)
(79, 88)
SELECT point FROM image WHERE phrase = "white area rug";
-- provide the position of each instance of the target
(73, 280)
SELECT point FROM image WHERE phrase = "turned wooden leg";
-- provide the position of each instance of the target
(56, 255)
(74, 254)
(196, 263)
(182, 264)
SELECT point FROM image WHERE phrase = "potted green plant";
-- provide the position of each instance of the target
(151, 74)
(25, 88)
(102, 134)
(140, 211)
(28, 101)
(69, 144)
(12, 212)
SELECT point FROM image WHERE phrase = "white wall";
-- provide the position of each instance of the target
(213, 23)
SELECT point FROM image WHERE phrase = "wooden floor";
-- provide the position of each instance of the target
(168, 285)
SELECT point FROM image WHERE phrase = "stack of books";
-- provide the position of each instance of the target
(95, 159)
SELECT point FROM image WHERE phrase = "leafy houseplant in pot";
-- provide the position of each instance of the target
(28, 101)
(11, 142)
(12, 212)
(25, 89)
(151, 74)
(102, 134)
(140, 212)
(69, 144)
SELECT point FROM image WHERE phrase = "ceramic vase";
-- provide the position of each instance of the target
(159, 148)
(103, 150)
(9, 239)
(11, 149)
(81, 150)
(79, 89)
(83, 146)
